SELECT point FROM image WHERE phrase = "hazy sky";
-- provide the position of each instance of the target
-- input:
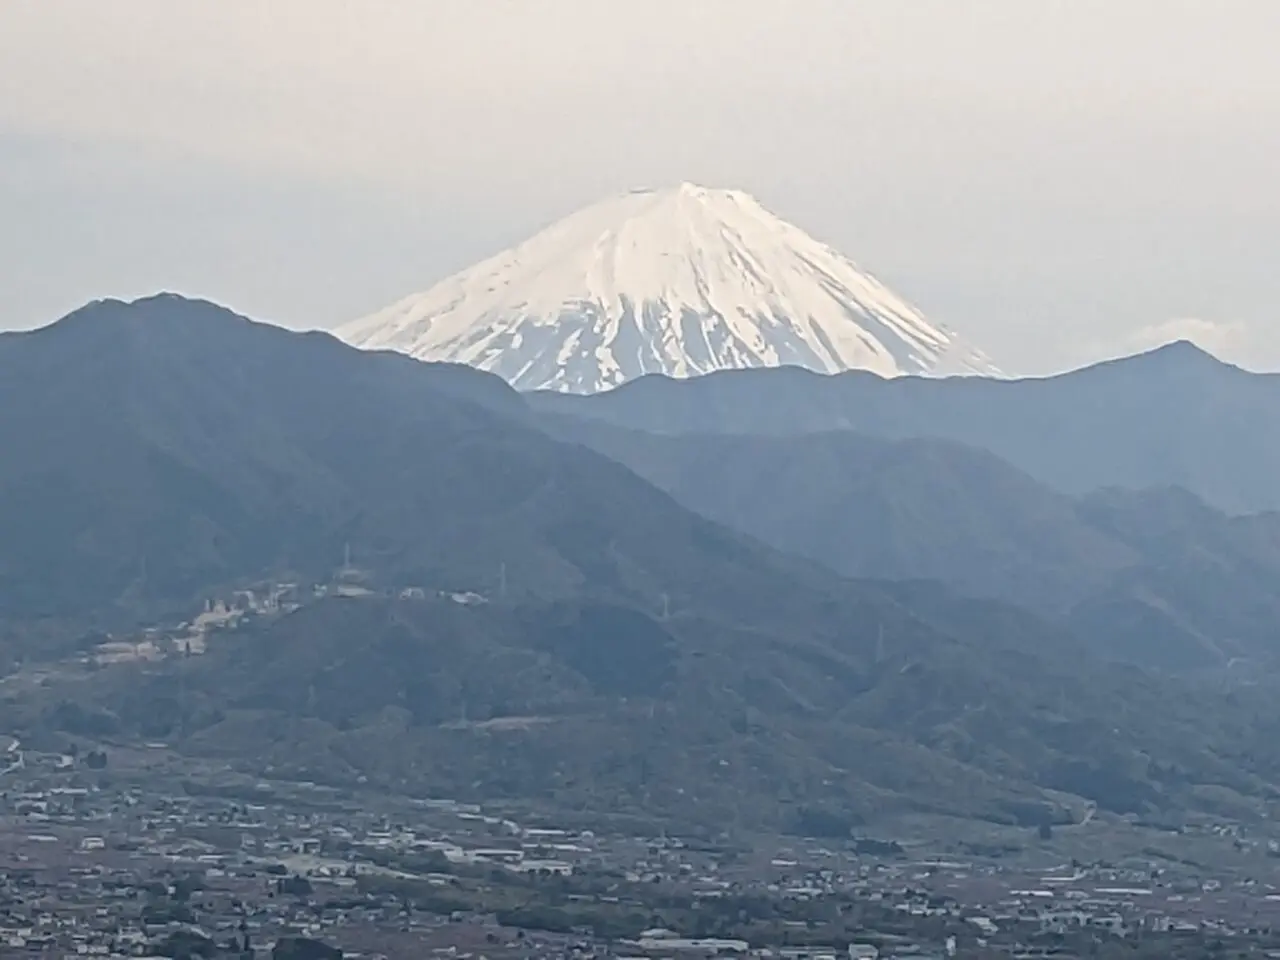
(1055, 180)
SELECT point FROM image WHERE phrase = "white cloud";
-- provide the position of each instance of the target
(1225, 340)
(1233, 341)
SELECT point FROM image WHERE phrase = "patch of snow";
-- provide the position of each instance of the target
(682, 281)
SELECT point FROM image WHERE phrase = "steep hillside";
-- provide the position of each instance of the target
(866, 507)
(158, 448)
(1155, 577)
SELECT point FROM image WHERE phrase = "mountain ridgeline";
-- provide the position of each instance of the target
(1172, 417)
(1154, 577)
(729, 629)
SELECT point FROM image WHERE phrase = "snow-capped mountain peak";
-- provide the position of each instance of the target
(680, 281)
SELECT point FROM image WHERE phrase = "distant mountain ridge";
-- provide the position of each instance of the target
(681, 281)
(1153, 577)
(1172, 417)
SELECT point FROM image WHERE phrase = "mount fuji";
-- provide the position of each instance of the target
(680, 281)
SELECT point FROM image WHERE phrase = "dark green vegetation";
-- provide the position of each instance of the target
(155, 449)
(1174, 417)
(632, 657)
(612, 908)
(713, 723)
(1154, 577)
(303, 948)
